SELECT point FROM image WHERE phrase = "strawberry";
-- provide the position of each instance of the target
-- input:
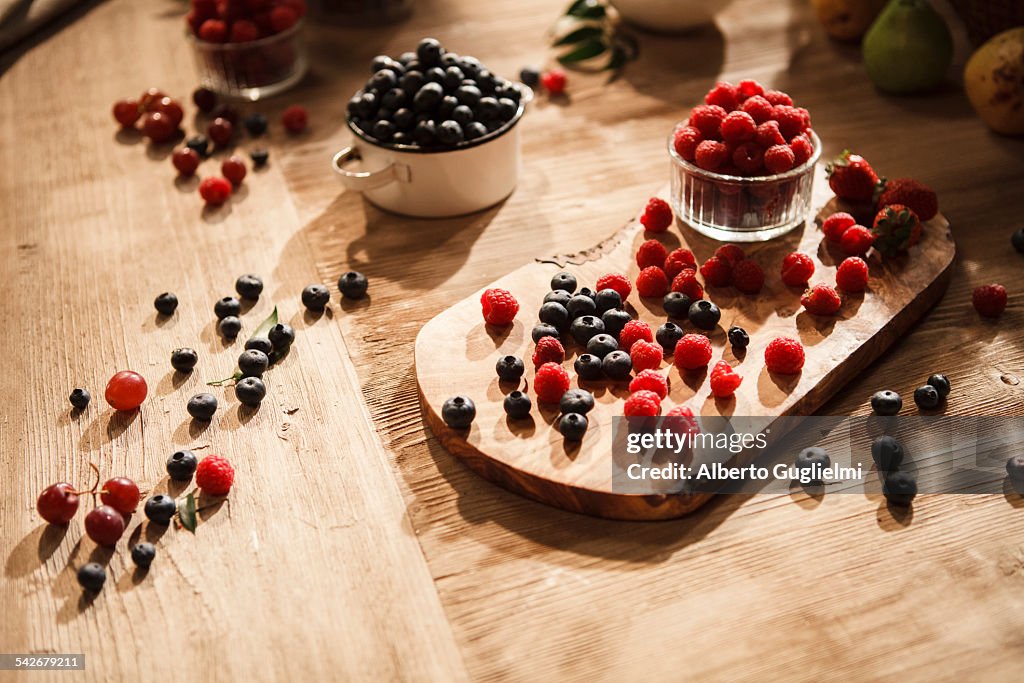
(851, 177)
(896, 228)
(915, 195)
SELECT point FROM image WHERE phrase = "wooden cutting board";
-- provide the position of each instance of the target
(456, 354)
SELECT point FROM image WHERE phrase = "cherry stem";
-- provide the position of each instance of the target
(95, 485)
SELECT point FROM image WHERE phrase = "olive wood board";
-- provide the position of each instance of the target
(456, 353)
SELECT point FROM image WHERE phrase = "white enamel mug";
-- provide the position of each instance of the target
(435, 183)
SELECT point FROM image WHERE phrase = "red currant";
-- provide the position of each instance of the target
(186, 160)
(126, 390)
(220, 131)
(554, 81)
(233, 168)
(149, 98)
(171, 109)
(214, 191)
(58, 503)
(126, 112)
(104, 525)
(122, 494)
(295, 119)
(158, 127)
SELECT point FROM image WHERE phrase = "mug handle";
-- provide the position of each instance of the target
(360, 181)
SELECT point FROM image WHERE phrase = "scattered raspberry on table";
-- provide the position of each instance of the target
(548, 350)
(642, 403)
(733, 253)
(650, 380)
(836, 225)
(748, 277)
(724, 380)
(692, 352)
(989, 300)
(550, 382)
(645, 355)
(652, 282)
(215, 475)
(686, 283)
(634, 331)
(651, 253)
(657, 216)
(821, 300)
(679, 260)
(616, 281)
(784, 356)
(215, 191)
(852, 275)
(856, 240)
(797, 269)
(499, 306)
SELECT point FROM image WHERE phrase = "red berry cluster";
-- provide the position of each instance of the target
(241, 21)
(160, 115)
(745, 130)
(104, 524)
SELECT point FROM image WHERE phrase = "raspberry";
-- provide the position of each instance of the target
(711, 155)
(759, 108)
(243, 31)
(657, 216)
(852, 275)
(649, 380)
(693, 351)
(802, 149)
(749, 88)
(821, 300)
(213, 31)
(283, 18)
(738, 126)
(733, 253)
(686, 282)
(915, 195)
(779, 159)
(294, 118)
(717, 272)
(685, 141)
(724, 380)
(748, 158)
(791, 120)
(617, 281)
(707, 118)
(768, 135)
(651, 253)
(645, 355)
(550, 382)
(685, 422)
(797, 269)
(652, 281)
(856, 240)
(835, 225)
(214, 475)
(499, 306)
(778, 97)
(784, 356)
(748, 277)
(549, 350)
(989, 300)
(215, 191)
(679, 260)
(642, 403)
(634, 331)
(724, 95)
(554, 81)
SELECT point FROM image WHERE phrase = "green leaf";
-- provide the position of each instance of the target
(579, 35)
(577, 6)
(265, 326)
(618, 60)
(187, 513)
(587, 9)
(587, 50)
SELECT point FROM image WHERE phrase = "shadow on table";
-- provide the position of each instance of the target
(10, 55)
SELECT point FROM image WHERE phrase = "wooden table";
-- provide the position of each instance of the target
(354, 547)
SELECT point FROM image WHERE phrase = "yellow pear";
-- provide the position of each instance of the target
(847, 20)
(994, 81)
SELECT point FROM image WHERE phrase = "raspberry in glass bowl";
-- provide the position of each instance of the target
(743, 164)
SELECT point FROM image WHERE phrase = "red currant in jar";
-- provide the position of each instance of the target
(126, 390)
(104, 525)
(186, 160)
(149, 98)
(295, 119)
(171, 109)
(126, 112)
(220, 131)
(214, 191)
(158, 127)
(233, 168)
(58, 503)
(122, 494)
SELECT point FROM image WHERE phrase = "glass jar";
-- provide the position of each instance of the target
(254, 69)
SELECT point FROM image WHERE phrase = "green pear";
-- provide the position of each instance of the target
(908, 49)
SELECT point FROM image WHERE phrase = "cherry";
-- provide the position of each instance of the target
(126, 390)
(104, 525)
(186, 160)
(58, 503)
(205, 99)
(220, 131)
(170, 108)
(126, 112)
(214, 191)
(122, 494)
(233, 168)
(158, 127)
(149, 99)
(295, 119)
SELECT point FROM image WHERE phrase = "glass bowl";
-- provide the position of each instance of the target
(254, 69)
(732, 208)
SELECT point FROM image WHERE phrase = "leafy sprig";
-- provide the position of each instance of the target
(593, 40)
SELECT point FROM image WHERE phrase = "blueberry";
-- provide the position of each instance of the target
(900, 488)
(394, 100)
(401, 138)
(581, 305)
(256, 124)
(230, 326)
(475, 130)
(677, 305)
(249, 286)
(368, 105)
(383, 131)
(887, 453)
(450, 133)
(281, 336)
(468, 95)
(529, 76)
(470, 66)
(182, 465)
(80, 398)
(411, 82)
(353, 285)
(202, 407)
(429, 51)
(250, 391)
(927, 397)
(184, 359)
(160, 509)
(492, 126)
(704, 314)
(458, 412)
(554, 314)
(404, 119)
(509, 91)
(462, 115)
(199, 144)
(406, 57)
(558, 296)
(812, 459)
(614, 320)
(446, 108)
(886, 402)
(1015, 468)
(380, 62)
(576, 401)
(452, 78)
(941, 384)
(488, 109)
(617, 365)
(259, 157)
(564, 281)
(166, 303)
(428, 97)
(425, 133)
(485, 81)
(586, 327)
(260, 344)
(229, 305)
(315, 297)
(668, 335)
(382, 81)
(1017, 240)
(253, 363)
(510, 368)
(506, 109)
(517, 405)
(588, 367)
(143, 554)
(587, 291)
(607, 299)
(573, 426)
(92, 576)
(543, 330)
(601, 345)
